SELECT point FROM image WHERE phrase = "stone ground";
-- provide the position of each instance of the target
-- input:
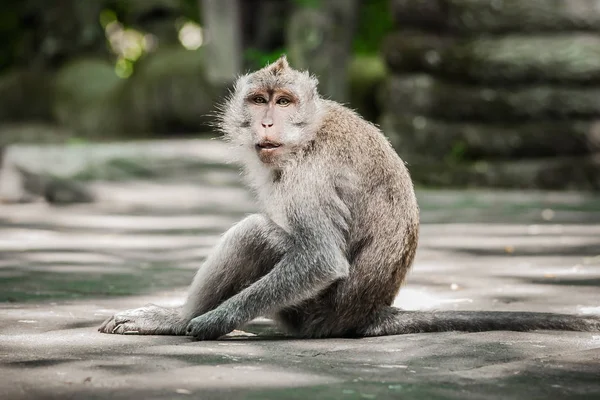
(65, 269)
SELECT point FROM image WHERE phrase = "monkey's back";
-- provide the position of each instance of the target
(383, 231)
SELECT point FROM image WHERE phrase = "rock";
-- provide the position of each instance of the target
(53, 189)
(417, 137)
(64, 191)
(425, 95)
(19, 185)
(11, 185)
(86, 97)
(498, 16)
(168, 93)
(572, 57)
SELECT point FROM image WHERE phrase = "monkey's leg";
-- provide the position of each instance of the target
(309, 264)
(393, 321)
(245, 253)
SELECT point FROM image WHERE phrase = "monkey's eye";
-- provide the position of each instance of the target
(282, 101)
(259, 100)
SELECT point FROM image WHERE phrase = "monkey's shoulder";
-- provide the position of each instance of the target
(355, 144)
(341, 121)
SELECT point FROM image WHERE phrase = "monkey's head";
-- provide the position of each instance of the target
(273, 113)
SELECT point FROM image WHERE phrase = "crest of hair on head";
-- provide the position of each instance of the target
(280, 65)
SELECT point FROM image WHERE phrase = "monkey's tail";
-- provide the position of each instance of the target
(394, 321)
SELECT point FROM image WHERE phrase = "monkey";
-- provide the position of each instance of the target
(335, 237)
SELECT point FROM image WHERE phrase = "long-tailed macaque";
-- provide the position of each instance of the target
(335, 238)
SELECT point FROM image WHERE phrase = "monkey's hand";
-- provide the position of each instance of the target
(212, 325)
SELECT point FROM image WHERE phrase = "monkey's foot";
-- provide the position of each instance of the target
(148, 320)
(211, 325)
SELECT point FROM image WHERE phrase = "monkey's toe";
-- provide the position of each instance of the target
(108, 325)
(198, 330)
(210, 326)
(126, 329)
(116, 324)
(593, 322)
(121, 325)
(148, 320)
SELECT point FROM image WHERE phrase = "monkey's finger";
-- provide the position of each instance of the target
(195, 330)
(105, 327)
(199, 332)
(189, 331)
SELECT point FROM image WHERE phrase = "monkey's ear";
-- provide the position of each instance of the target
(280, 65)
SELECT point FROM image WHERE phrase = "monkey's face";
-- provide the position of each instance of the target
(272, 113)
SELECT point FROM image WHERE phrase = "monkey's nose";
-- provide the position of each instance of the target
(267, 124)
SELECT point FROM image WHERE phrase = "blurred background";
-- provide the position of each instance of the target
(471, 93)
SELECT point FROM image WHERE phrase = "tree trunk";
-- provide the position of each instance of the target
(506, 59)
(267, 32)
(221, 22)
(424, 95)
(498, 16)
(320, 40)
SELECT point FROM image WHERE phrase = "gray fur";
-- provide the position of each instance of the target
(335, 238)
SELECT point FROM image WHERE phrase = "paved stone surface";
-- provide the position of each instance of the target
(64, 269)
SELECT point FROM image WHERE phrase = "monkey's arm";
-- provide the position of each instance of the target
(314, 258)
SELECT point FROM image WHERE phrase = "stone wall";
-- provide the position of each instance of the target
(496, 92)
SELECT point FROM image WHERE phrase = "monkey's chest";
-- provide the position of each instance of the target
(273, 205)
(280, 219)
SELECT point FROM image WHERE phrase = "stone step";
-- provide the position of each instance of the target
(498, 16)
(556, 173)
(416, 137)
(426, 95)
(534, 58)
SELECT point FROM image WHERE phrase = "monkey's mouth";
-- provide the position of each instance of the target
(267, 145)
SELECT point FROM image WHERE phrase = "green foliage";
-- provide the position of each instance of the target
(190, 9)
(107, 16)
(308, 3)
(375, 22)
(256, 59)
(11, 33)
(458, 152)
(77, 141)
